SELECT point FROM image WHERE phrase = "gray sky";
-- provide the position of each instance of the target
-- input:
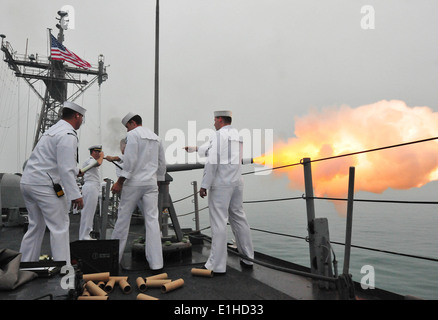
(269, 61)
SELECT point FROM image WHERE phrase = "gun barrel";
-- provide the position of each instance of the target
(184, 166)
(194, 166)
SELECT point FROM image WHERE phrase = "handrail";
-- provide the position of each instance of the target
(332, 242)
(339, 199)
(345, 155)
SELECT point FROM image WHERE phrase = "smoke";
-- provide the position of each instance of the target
(114, 133)
(337, 131)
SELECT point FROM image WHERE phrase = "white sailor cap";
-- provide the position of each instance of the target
(224, 113)
(97, 147)
(75, 107)
(128, 117)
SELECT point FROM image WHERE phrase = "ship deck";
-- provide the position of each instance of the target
(263, 282)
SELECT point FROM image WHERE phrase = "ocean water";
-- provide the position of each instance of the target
(407, 229)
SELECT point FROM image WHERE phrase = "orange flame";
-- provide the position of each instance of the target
(345, 130)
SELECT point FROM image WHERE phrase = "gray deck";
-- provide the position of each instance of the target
(260, 283)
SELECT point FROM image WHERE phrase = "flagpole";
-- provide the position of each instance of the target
(49, 45)
(157, 49)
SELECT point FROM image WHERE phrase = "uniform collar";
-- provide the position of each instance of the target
(65, 123)
(226, 127)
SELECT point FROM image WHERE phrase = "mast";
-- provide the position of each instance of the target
(157, 53)
(55, 74)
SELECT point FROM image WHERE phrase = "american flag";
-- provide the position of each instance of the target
(59, 52)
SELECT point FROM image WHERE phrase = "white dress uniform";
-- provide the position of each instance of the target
(53, 159)
(222, 177)
(143, 165)
(90, 192)
(119, 168)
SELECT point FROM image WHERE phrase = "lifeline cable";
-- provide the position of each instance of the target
(370, 200)
(346, 154)
(353, 246)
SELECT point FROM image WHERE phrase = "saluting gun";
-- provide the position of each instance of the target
(175, 167)
(197, 165)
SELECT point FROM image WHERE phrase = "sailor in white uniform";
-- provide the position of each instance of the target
(223, 180)
(90, 191)
(52, 164)
(143, 165)
(118, 161)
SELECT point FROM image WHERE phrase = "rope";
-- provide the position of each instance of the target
(273, 200)
(320, 198)
(337, 199)
(391, 252)
(333, 242)
(186, 214)
(324, 198)
(329, 158)
(376, 149)
(279, 234)
(274, 168)
(346, 155)
(190, 195)
(382, 201)
(354, 246)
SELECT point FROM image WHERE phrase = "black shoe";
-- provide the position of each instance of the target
(157, 271)
(245, 265)
(214, 273)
